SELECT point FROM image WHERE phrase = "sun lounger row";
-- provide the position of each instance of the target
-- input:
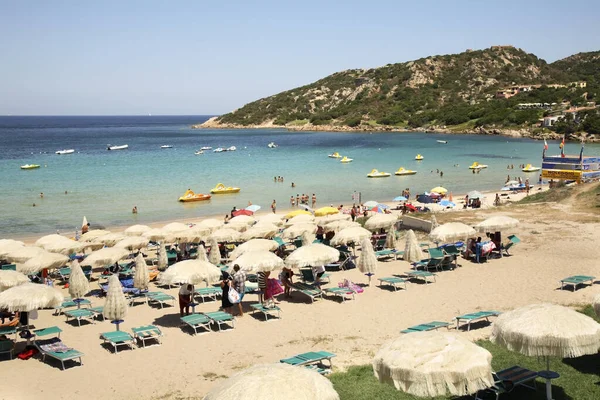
(468, 318)
(205, 320)
(141, 334)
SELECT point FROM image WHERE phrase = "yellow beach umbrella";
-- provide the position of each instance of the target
(296, 213)
(439, 189)
(326, 211)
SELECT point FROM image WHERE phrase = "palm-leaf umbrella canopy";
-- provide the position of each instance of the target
(451, 231)
(260, 231)
(141, 278)
(175, 227)
(320, 212)
(50, 239)
(496, 224)
(133, 243)
(337, 226)
(190, 271)
(202, 253)
(110, 239)
(162, 258)
(158, 235)
(379, 221)
(350, 235)
(298, 229)
(307, 238)
(79, 285)
(194, 234)
(412, 250)
(60, 244)
(312, 255)
(106, 256)
(211, 223)
(136, 230)
(225, 235)
(430, 364)
(44, 260)
(20, 254)
(300, 219)
(243, 220)
(10, 278)
(332, 218)
(29, 297)
(214, 257)
(8, 245)
(115, 306)
(547, 330)
(258, 261)
(253, 245)
(597, 305)
(279, 381)
(390, 239)
(367, 261)
(274, 219)
(93, 234)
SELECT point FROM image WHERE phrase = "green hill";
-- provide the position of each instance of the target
(457, 90)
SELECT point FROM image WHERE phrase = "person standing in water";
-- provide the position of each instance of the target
(274, 206)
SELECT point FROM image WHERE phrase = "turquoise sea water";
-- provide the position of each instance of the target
(105, 185)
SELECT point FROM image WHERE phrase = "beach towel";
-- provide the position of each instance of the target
(346, 283)
(54, 345)
(273, 288)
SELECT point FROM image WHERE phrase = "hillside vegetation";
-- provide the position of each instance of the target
(438, 91)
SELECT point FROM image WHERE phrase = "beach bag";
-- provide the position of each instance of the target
(27, 353)
(233, 296)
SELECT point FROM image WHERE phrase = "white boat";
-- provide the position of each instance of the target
(442, 141)
(121, 147)
(218, 150)
(232, 148)
(69, 151)
(166, 146)
(199, 152)
(272, 145)
(206, 148)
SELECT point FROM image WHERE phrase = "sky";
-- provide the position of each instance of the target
(210, 57)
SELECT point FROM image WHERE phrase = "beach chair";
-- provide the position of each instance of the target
(148, 332)
(476, 316)
(87, 271)
(64, 273)
(310, 358)
(452, 251)
(380, 243)
(160, 298)
(80, 314)
(436, 257)
(9, 267)
(52, 330)
(118, 338)
(69, 303)
(576, 280)
(7, 347)
(210, 292)
(97, 312)
(430, 326)
(221, 318)
(341, 292)
(385, 254)
(425, 275)
(266, 311)
(55, 348)
(171, 257)
(283, 245)
(508, 379)
(307, 275)
(344, 263)
(11, 329)
(196, 321)
(392, 281)
(311, 291)
(513, 240)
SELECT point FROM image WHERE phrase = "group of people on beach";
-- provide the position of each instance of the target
(278, 179)
(303, 200)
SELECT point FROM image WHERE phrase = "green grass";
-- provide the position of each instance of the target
(556, 194)
(298, 122)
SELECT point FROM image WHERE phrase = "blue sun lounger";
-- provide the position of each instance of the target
(196, 321)
(430, 326)
(118, 338)
(55, 348)
(221, 318)
(476, 316)
(80, 314)
(310, 358)
(576, 280)
(425, 275)
(392, 281)
(267, 311)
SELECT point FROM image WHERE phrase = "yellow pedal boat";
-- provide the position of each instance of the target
(419, 157)
(335, 155)
(530, 168)
(30, 166)
(376, 174)
(222, 189)
(476, 165)
(189, 195)
(402, 171)
(346, 159)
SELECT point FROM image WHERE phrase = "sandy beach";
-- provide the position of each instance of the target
(556, 242)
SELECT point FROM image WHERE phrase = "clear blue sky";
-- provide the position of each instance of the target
(209, 57)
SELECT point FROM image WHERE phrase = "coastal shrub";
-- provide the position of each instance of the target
(353, 122)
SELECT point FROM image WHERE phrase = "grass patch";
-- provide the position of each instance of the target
(590, 197)
(298, 122)
(469, 125)
(211, 376)
(552, 195)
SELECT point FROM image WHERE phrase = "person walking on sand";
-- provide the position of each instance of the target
(314, 200)
(185, 299)
(225, 285)
(239, 284)
(274, 206)
(497, 200)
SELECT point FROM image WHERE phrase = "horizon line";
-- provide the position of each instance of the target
(110, 115)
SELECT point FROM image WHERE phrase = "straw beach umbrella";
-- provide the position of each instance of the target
(175, 227)
(136, 230)
(93, 234)
(79, 285)
(547, 330)
(44, 260)
(194, 234)
(163, 261)
(367, 261)
(158, 235)
(62, 245)
(109, 239)
(260, 231)
(30, 296)
(451, 231)
(133, 243)
(8, 245)
(434, 223)
(225, 235)
(307, 238)
(332, 218)
(412, 250)
(214, 257)
(390, 239)
(274, 219)
(381, 221)
(253, 245)
(597, 305)
(350, 235)
(10, 278)
(300, 219)
(202, 253)
(337, 226)
(106, 256)
(190, 271)
(263, 381)
(298, 229)
(430, 364)
(115, 307)
(141, 278)
(20, 254)
(211, 223)
(258, 261)
(496, 224)
(312, 255)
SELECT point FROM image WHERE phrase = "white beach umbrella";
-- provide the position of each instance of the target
(211, 223)
(300, 219)
(547, 330)
(307, 238)
(202, 253)
(20, 254)
(194, 234)
(379, 221)
(260, 231)
(8, 245)
(136, 230)
(175, 227)
(158, 235)
(214, 257)
(93, 234)
(253, 245)
(474, 194)
(190, 271)
(115, 306)
(412, 250)
(430, 364)
(451, 231)
(79, 285)
(496, 224)
(50, 239)
(225, 235)
(44, 260)
(390, 239)
(110, 239)
(332, 218)
(312, 255)
(274, 219)
(597, 305)
(350, 235)
(30, 296)
(298, 229)
(106, 256)
(163, 261)
(141, 278)
(10, 278)
(133, 243)
(274, 381)
(367, 260)
(337, 226)
(258, 261)
(60, 244)
(241, 222)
